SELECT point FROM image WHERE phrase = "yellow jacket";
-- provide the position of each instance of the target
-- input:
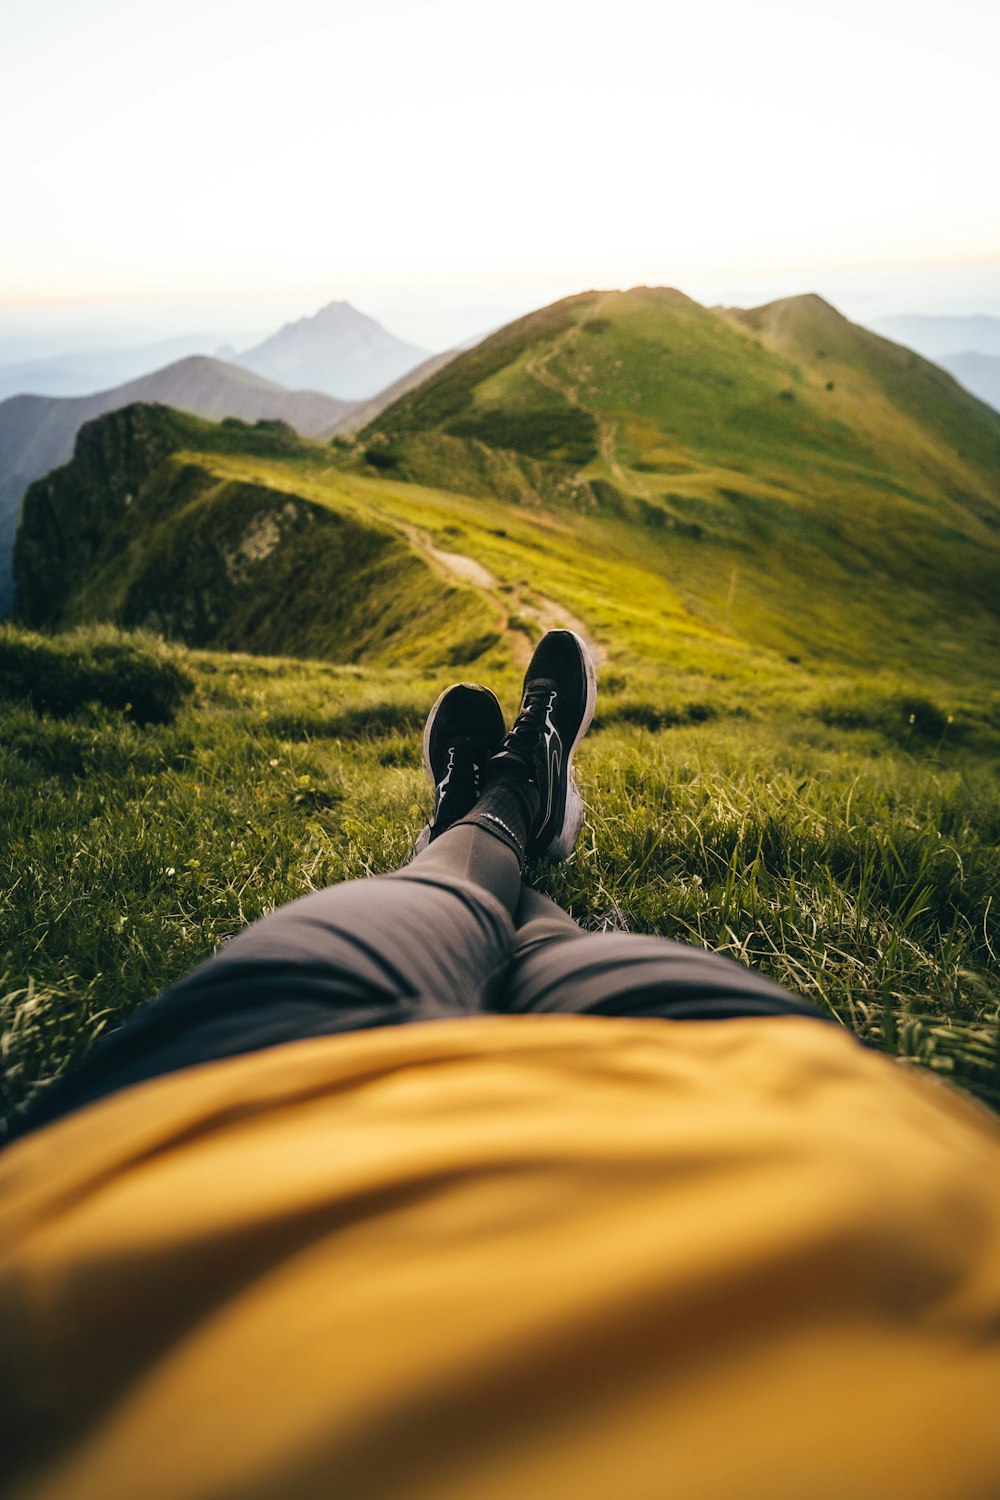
(509, 1258)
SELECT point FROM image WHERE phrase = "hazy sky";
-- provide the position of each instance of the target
(410, 153)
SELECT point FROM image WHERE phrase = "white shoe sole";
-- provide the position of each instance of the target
(564, 842)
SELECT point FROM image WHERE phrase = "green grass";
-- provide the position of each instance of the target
(230, 552)
(141, 677)
(851, 856)
(781, 544)
(798, 481)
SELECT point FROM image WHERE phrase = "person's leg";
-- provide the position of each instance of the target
(557, 968)
(432, 940)
(429, 941)
(538, 921)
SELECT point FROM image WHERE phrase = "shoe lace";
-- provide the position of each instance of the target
(526, 732)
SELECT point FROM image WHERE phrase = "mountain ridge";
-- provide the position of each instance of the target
(157, 524)
(784, 435)
(770, 480)
(37, 433)
(796, 328)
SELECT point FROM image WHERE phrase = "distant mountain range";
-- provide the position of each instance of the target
(90, 370)
(967, 347)
(979, 373)
(774, 479)
(338, 350)
(935, 337)
(37, 433)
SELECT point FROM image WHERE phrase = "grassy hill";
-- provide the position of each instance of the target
(803, 824)
(39, 432)
(799, 480)
(799, 720)
(203, 533)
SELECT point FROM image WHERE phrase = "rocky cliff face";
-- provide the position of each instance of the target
(171, 524)
(69, 515)
(38, 432)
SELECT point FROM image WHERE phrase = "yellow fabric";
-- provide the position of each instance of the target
(509, 1258)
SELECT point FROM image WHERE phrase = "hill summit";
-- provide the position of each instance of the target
(337, 350)
(780, 460)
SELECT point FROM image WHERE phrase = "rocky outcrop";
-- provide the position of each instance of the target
(144, 530)
(68, 517)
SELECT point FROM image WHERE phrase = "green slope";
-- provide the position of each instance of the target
(793, 758)
(867, 369)
(803, 483)
(845, 552)
(163, 521)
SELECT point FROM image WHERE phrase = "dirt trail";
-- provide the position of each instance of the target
(461, 566)
(547, 614)
(540, 611)
(517, 603)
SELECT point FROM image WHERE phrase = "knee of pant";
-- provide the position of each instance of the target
(582, 952)
(539, 933)
(599, 969)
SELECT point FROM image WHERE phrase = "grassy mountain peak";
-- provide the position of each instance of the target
(795, 476)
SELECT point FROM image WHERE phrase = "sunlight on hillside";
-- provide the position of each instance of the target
(779, 535)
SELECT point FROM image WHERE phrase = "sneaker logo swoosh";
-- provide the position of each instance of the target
(442, 785)
(553, 755)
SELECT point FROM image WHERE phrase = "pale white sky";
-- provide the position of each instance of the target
(420, 153)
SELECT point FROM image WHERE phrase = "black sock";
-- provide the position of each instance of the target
(507, 809)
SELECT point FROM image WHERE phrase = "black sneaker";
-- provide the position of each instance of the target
(560, 690)
(464, 728)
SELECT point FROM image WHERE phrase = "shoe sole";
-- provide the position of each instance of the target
(564, 842)
(424, 836)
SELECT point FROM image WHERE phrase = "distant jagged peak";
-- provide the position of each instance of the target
(340, 319)
(339, 315)
(337, 350)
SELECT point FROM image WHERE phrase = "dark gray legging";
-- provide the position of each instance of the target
(455, 933)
